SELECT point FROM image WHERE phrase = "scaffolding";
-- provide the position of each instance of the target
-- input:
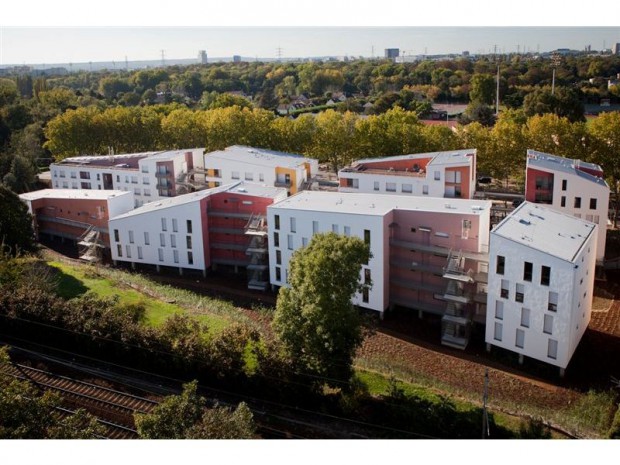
(258, 268)
(90, 245)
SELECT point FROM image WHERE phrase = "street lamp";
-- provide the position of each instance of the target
(555, 61)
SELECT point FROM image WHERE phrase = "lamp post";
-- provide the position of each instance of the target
(555, 61)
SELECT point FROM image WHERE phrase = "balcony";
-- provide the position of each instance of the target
(455, 293)
(285, 184)
(163, 173)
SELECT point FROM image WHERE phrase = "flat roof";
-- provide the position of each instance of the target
(566, 165)
(129, 159)
(172, 153)
(378, 205)
(451, 157)
(77, 194)
(546, 230)
(259, 157)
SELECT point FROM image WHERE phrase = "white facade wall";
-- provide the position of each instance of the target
(328, 222)
(418, 186)
(151, 222)
(120, 204)
(573, 283)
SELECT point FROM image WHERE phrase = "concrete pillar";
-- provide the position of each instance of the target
(204, 273)
(236, 269)
(180, 271)
(115, 262)
(488, 347)
(158, 268)
(420, 314)
(381, 315)
(562, 372)
(520, 359)
(133, 265)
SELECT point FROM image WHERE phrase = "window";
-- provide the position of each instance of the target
(146, 238)
(249, 176)
(147, 193)
(188, 224)
(499, 309)
(289, 241)
(504, 291)
(261, 177)
(367, 275)
(347, 231)
(552, 349)
(128, 250)
(278, 274)
(498, 332)
(175, 226)
(119, 250)
(116, 238)
(425, 189)
(293, 225)
(577, 202)
(564, 183)
(525, 317)
(276, 220)
(134, 179)
(190, 258)
(519, 292)
(354, 183)
(304, 241)
(520, 339)
(162, 239)
(548, 324)
(145, 169)
(592, 204)
(118, 178)
(175, 256)
(140, 253)
(315, 227)
(173, 241)
(335, 228)
(131, 237)
(188, 242)
(367, 236)
(527, 271)
(164, 226)
(365, 296)
(501, 262)
(563, 201)
(437, 176)
(545, 275)
(407, 188)
(160, 254)
(376, 185)
(278, 257)
(234, 175)
(276, 239)
(466, 227)
(390, 186)
(553, 302)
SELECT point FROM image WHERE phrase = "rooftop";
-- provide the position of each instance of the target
(546, 230)
(452, 157)
(76, 194)
(260, 157)
(565, 165)
(373, 205)
(127, 160)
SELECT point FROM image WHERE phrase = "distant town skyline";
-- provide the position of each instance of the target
(45, 45)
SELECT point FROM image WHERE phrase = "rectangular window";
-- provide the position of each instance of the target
(390, 186)
(293, 225)
(548, 324)
(498, 332)
(563, 201)
(525, 317)
(160, 254)
(140, 253)
(234, 175)
(134, 179)
(367, 236)
(527, 271)
(261, 177)
(499, 309)
(465, 229)
(249, 176)
(592, 204)
(276, 239)
(276, 220)
(145, 180)
(407, 188)
(365, 295)
(147, 193)
(504, 291)
(289, 241)
(188, 224)
(376, 186)
(304, 241)
(128, 250)
(190, 258)
(437, 176)
(175, 226)
(564, 183)
(519, 292)
(278, 257)
(164, 225)
(116, 237)
(347, 231)
(500, 265)
(188, 242)
(545, 275)
(425, 189)
(146, 238)
(315, 227)
(367, 275)
(162, 239)
(552, 349)
(175, 256)
(335, 228)
(173, 241)
(553, 302)
(131, 237)
(577, 202)
(119, 250)
(354, 183)
(520, 339)
(278, 274)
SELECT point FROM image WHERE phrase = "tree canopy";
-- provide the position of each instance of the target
(16, 233)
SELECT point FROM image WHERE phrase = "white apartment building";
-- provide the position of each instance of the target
(439, 174)
(269, 167)
(570, 186)
(149, 175)
(541, 282)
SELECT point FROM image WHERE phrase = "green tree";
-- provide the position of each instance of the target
(564, 103)
(185, 417)
(482, 89)
(268, 99)
(8, 92)
(478, 112)
(16, 233)
(551, 134)
(334, 139)
(315, 321)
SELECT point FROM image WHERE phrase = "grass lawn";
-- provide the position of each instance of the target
(76, 280)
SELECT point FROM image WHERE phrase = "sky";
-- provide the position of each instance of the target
(58, 32)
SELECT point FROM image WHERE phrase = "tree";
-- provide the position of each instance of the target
(8, 92)
(16, 233)
(268, 99)
(482, 89)
(478, 112)
(185, 417)
(564, 102)
(315, 321)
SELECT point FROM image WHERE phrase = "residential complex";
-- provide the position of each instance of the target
(439, 174)
(541, 283)
(279, 169)
(570, 186)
